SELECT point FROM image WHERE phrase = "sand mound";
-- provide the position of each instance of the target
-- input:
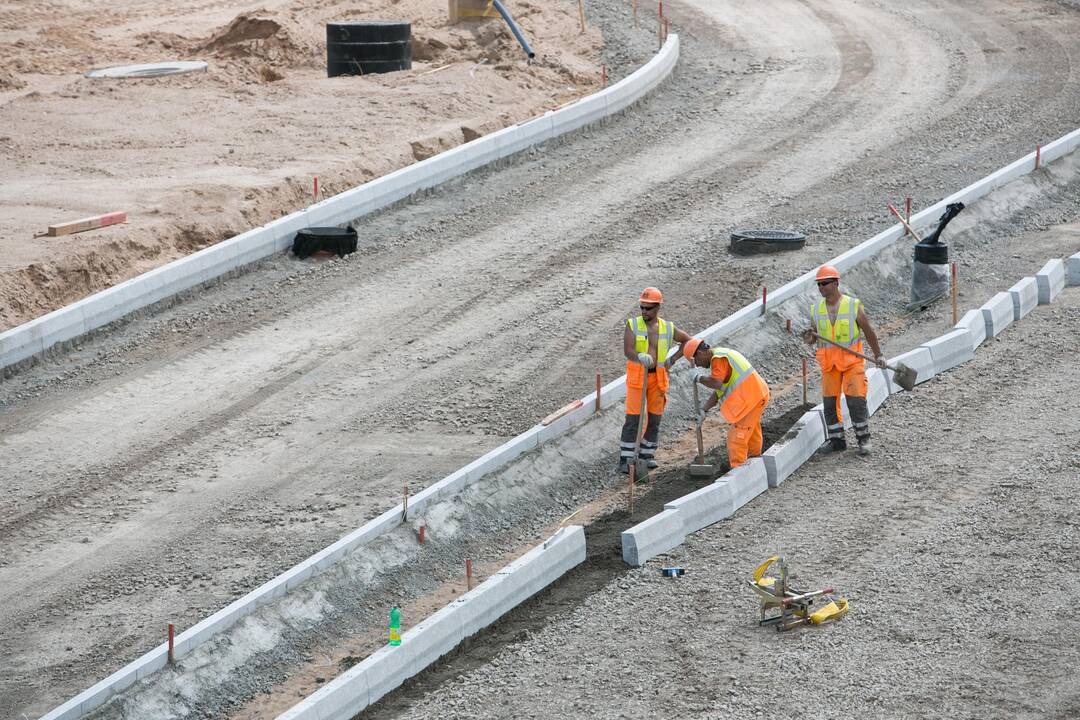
(10, 81)
(236, 35)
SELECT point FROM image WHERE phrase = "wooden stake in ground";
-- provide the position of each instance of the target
(90, 223)
(581, 13)
(635, 13)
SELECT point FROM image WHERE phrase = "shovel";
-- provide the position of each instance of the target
(700, 469)
(904, 376)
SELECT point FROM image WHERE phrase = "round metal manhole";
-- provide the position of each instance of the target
(750, 242)
(147, 70)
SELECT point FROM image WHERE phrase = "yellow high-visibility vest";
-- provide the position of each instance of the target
(665, 336)
(740, 370)
(845, 330)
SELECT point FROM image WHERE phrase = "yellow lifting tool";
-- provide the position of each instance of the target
(796, 607)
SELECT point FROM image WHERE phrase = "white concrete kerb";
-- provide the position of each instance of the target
(1051, 281)
(387, 668)
(67, 323)
(26, 340)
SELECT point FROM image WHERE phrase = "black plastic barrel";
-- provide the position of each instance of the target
(370, 46)
(932, 253)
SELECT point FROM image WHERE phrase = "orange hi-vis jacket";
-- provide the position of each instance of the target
(743, 390)
(635, 373)
(845, 330)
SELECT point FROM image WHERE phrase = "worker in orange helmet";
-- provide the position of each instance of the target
(842, 319)
(647, 340)
(740, 391)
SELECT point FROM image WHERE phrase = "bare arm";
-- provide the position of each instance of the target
(628, 344)
(868, 330)
(682, 338)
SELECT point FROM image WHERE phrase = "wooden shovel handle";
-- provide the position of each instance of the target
(700, 420)
(856, 353)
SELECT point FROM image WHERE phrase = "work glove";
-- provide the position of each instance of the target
(646, 360)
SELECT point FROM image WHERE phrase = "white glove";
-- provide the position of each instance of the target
(646, 360)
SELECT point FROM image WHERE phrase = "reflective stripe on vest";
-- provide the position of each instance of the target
(740, 370)
(845, 330)
(665, 334)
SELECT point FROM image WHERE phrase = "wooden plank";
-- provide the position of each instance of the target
(90, 223)
(560, 412)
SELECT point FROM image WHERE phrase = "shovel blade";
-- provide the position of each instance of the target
(905, 376)
(641, 470)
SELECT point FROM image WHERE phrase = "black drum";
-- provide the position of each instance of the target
(371, 46)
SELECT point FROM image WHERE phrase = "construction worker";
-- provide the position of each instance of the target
(740, 391)
(843, 319)
(647, 339)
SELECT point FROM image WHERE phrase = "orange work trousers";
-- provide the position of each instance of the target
(744, 437)
(852, 382)
(655, 396)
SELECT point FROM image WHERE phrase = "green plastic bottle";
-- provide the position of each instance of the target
(395, 625)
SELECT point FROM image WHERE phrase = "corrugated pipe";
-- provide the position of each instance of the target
(514, 29)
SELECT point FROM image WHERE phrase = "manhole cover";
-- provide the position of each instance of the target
(748, 242)
(149, 69)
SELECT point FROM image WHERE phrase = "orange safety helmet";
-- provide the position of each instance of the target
(651, 295)
(828, 272)
(689, 350)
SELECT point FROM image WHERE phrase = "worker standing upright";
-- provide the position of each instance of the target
(740, 391)
(842, 319)
(647, 339)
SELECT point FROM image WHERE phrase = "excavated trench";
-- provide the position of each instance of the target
(603, 564)
(883, 283)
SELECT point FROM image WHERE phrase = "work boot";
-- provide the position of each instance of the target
(624, 466)
(864, 446)
(835, 445)
(652, 464)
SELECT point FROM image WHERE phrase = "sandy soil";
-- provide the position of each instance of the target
(263, 419)
(195, 159)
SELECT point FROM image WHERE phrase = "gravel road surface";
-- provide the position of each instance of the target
(160, 470)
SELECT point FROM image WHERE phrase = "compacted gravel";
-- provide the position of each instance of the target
(955, 543)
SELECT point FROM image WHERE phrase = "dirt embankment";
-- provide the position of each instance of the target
(195, 159)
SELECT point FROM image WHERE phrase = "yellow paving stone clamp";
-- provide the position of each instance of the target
(796, 607)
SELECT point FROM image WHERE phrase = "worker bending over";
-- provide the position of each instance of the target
(842, 319)
(647, 339)
(741, 392)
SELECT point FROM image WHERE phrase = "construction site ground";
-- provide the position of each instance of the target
(194, 159)
(955, 544)
(159, 470)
